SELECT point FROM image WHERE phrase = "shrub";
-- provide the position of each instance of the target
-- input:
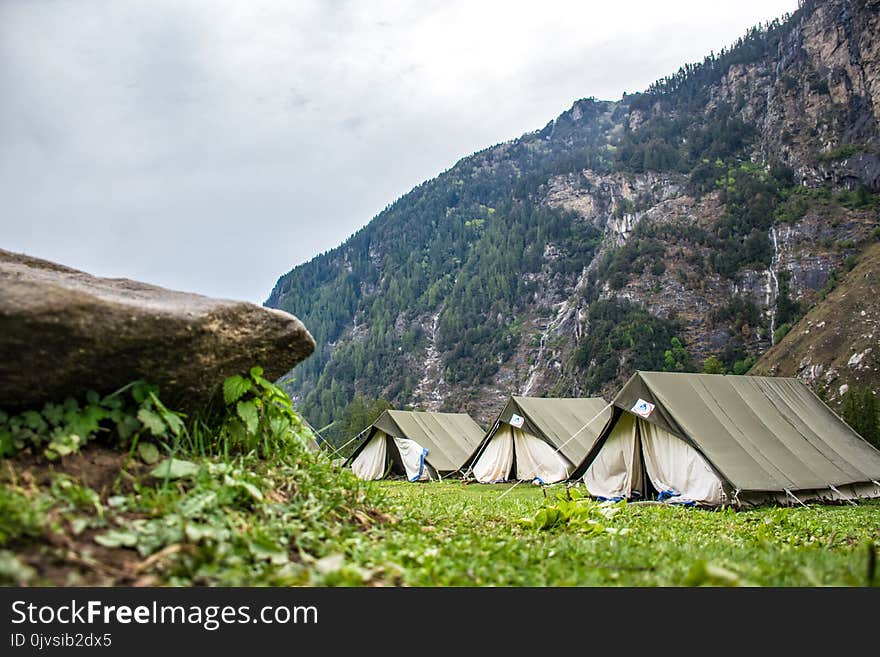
(860, 411)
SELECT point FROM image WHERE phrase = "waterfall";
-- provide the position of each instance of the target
(425, 390)
(551, 325)
(773, 285)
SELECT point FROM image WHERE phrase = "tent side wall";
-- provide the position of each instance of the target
(370, 462)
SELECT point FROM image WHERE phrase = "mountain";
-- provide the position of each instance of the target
(699, 220)
(836, 346)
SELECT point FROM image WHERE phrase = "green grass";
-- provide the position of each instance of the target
(303, 522)
(452, 534)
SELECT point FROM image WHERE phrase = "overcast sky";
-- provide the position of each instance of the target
(210, 145)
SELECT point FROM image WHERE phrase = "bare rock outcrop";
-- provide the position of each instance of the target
(63, 332)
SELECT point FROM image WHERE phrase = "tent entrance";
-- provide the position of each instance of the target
(516, 454)
(386, 455)
(641, 459)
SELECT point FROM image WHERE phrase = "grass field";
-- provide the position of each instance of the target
(454, 534)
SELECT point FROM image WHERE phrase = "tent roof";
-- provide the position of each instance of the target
(448, 437)
(559, 421)
(759, 433)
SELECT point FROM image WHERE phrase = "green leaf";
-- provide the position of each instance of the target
(79, 525)
(140, 390)
(7, 444)
(280, 426)
(149, 453)
(234, 387)
(175, 469)
(34, 420)
(252, 490)
(126, 425)
(153, 421)
(117, 538)
(172, 419)
(256, 371)
(53, 413)
(247, 411)
(262, 547)
(63, 444)
(196, 504)
(200, 532)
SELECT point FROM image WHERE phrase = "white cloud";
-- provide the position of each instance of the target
(211, 146)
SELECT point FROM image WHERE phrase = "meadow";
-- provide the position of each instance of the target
(451, 533)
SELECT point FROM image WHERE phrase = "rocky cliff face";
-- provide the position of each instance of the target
(837, 344)
(724, 202)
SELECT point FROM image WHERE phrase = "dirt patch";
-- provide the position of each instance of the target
(97, 467)
(63, 559)
(59, 556)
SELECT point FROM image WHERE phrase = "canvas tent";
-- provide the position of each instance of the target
(712, 439)
(421, 446)
(538, 439)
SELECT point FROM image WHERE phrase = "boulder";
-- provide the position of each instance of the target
(64, 332)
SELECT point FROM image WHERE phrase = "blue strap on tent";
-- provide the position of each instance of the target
(421, 464)
(609, 499)
(538, 480)
(666, 494)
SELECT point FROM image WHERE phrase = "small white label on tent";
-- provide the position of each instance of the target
(642, 408)
(517, 420)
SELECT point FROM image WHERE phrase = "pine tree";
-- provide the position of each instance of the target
(861, 411)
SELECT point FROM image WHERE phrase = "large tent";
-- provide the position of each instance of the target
(711, 439)
(421, 446)
(538, 439)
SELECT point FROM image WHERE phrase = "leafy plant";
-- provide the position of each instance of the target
(20, 516)
(575, 511)
(62, 429)
(259, 417)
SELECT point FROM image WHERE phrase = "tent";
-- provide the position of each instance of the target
(538, 439)
(421, 446)
(712, 439)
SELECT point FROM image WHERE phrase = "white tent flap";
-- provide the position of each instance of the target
(496, 460)
(370, 463)
(676, 469)
(413, 456)
(616, 470)
(535, 459)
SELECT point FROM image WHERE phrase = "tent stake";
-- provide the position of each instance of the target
(796, 499)
(845, 497)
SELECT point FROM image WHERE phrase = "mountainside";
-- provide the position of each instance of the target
(836, 346)
(701, 218)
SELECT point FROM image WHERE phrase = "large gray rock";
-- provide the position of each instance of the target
(63, 332)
